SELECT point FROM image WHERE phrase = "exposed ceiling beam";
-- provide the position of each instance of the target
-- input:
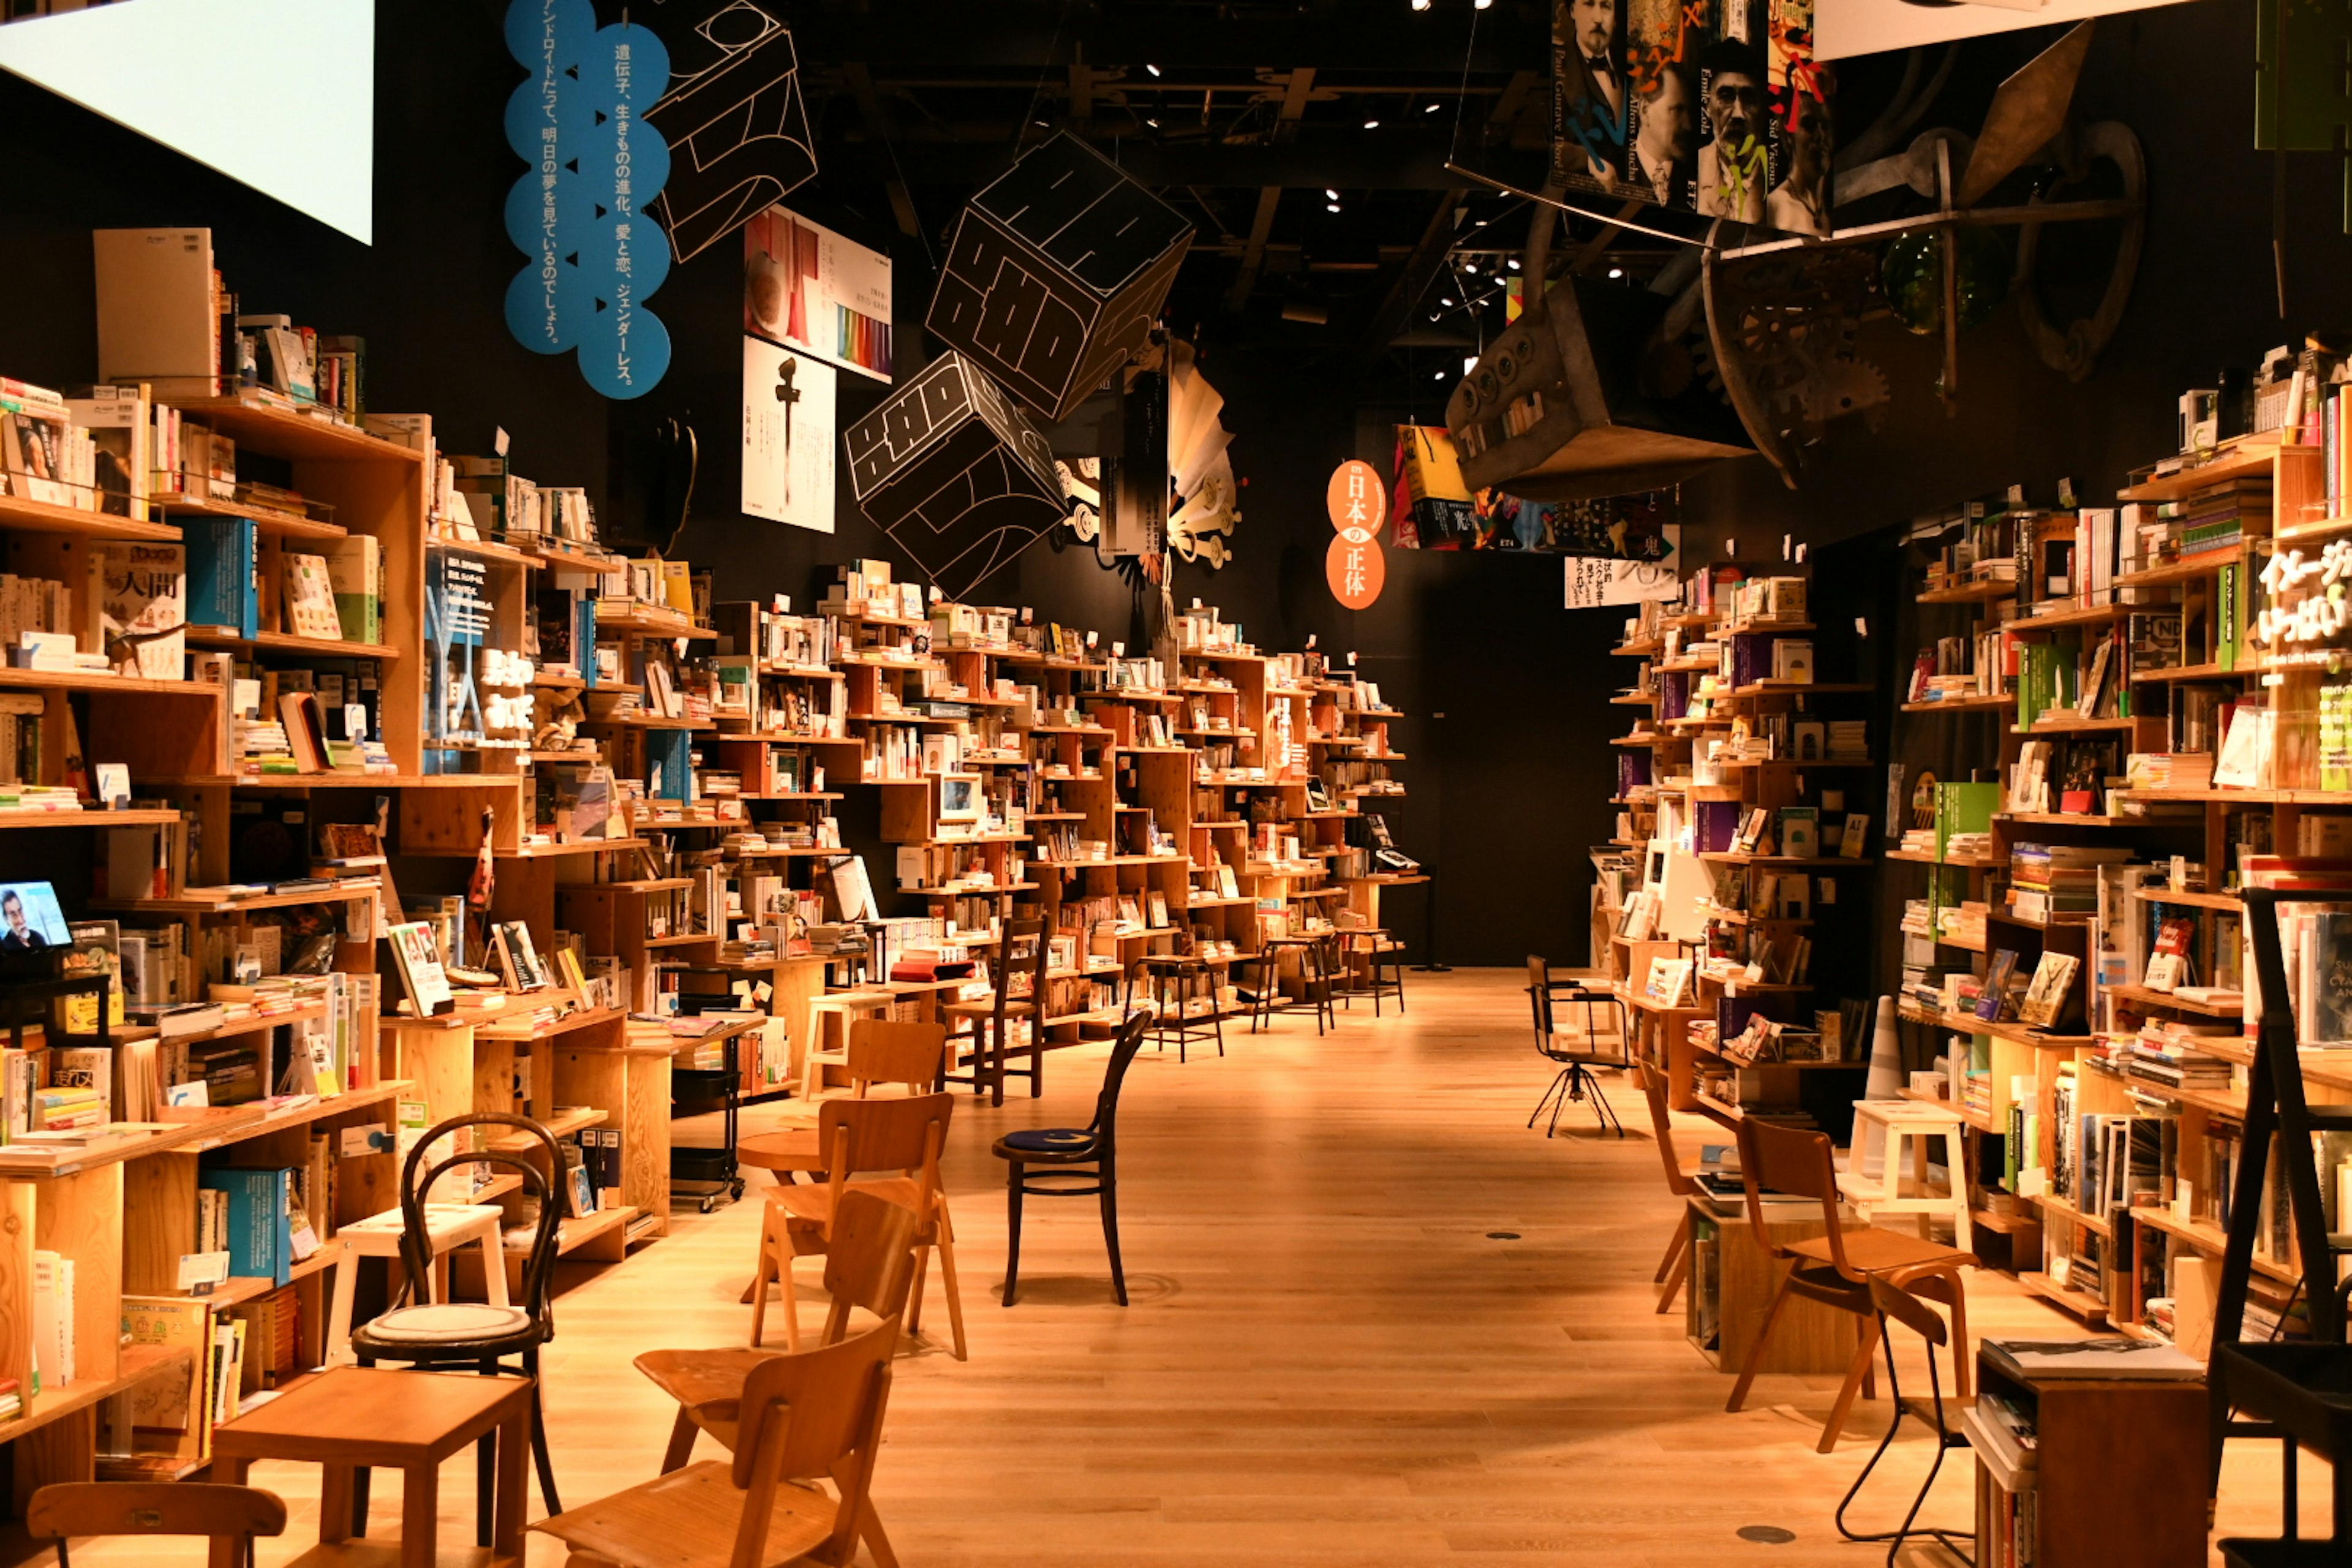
(1396, 307)
(959, 35)
(1403, 158)
(1294, 96)
(878, 125)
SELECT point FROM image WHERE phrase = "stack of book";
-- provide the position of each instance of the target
(2169, 770)
(1849, 740)
(69, 1110)
(2163, 1053)
(2050, 879)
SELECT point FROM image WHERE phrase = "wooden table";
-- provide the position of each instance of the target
(407, 1421)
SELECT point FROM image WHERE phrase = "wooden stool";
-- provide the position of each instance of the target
(448, 1227)
(847, 1006)
(1872, 1196)
(1314, 949)
(1172, 978)
(1375, 945)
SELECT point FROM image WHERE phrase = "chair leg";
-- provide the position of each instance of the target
(948, 1278)
(1557, 1078)
(485, 1458)
(869, 1530)
(1755, 1350)
(360, 1474)
(682, 1433)
(1013, 1231)
(759, 1277)
(1674, 1246)
(1037, 1055)
(539, 1453)
(1853, 1378)
(915, 1291)
(1110, 1234)
(792, 1305)
(1674, 1279)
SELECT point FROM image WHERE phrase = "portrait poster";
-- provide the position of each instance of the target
(790, 435)
(806, 287)
(1715, 107)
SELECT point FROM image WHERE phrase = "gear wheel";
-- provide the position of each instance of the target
(1841, 386)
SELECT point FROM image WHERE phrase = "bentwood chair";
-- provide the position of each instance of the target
(881, 1053)
(1838, 1268)
(1574, 1080)
(1078, 1162)
(814, 1415)
(230, 1516)
(1674, 1268)
(473, 1336)
(1018, 995)
(901, 1137)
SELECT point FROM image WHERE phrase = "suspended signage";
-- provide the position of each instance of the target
(579, 213)
(1436, 510)
(1595, 581)
(1358, 505)
(806, 287)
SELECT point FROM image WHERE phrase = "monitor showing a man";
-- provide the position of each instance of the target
(1734, 167)
(30, 920)
(1669, 130)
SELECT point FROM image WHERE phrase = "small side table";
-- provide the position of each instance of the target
(1915, 1121)
(448, 1227)
(349, 1418)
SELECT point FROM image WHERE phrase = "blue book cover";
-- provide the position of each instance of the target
(220, 574)
(583, 636)
(669, 756)
(260, 1233)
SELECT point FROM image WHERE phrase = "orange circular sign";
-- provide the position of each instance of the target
(1355, 568)
(1357, 497)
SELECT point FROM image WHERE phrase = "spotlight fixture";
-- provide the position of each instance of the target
(1616, 272)
(1153, 124)
(1438, 315)
(1469, 364)
(1512, 263)
(1439, 376)
(1152, 69)
(1372, 125)
(1420, 4)
(1330, 207)
(1431, 110)
(1471, 267)
(1330, 194)
(1481, 4)
(1447, 301)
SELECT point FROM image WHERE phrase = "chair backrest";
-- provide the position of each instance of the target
(1539, 997)
(869, 1260)
(1021, 951)
(1800, 1165)
(883, 1134)
(1895, 1303)
(1122, 1056)
(235, 1514)
(543, 1184)
(884, 1050)
(810, 1415)
(1654, 1088)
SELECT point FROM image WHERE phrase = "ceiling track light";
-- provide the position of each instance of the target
(1330, 207)
(1152, 69)
(1372, 125)
(1420, 4)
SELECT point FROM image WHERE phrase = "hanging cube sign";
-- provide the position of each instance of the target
(579, 213)
(1358, 505)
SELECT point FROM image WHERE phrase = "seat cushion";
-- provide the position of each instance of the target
(449, 1322)
(1049, 1140)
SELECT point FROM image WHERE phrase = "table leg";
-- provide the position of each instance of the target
(1919, 1181)
(338, 1326)
(420, 1514)
(514, 1455)
(494, 1265)
(335, 1505)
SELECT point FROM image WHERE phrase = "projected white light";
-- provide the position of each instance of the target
(157, 67)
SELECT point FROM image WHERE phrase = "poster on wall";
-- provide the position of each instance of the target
(1593, 582)
(806, 287)
(789, 436)
(1710, 107)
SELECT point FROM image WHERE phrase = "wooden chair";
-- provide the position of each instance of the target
(815, 1416)
(880, 1051)
(1019, 994)
(1080, 1161)
(869, 1265)
(1891, 1302)
(1575, 1079)
(900, 1136)
(230, 1516)
(1676, 1266)
(1837, 1268)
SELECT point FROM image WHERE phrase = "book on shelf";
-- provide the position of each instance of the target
(2101, 1357)
(260, 1229)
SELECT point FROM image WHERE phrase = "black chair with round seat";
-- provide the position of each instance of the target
(1080, 1161)
(472, 1336)
(1171, 983)
(1316, 952)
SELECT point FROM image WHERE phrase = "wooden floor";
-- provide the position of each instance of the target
(1329, 1359)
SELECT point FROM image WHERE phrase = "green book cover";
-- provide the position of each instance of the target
(2229, 620)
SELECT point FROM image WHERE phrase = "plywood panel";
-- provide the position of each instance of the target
(159, 1222)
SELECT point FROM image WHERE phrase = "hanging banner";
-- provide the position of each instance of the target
(1358, 505)
(806, 287)
(789, 431)
(1593, 583)
(595, 258)
(1435, 509)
